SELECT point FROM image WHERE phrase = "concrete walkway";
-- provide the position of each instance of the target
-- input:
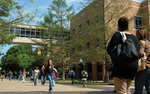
(18, 87)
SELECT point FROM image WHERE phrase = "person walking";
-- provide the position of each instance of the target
(10, 74)
(36, 75)
(72, 75)
(2, 75)
(50, 70)
(43, 75)
(123, 74)
(32, 76)
(20, 75)
(5, 75)
(142, 78)
(23, 75)
(84, 76)
(56, 73)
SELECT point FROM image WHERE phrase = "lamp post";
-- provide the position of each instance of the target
(81, 66)
(80, 60)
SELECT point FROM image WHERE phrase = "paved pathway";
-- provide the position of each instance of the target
(18, 87)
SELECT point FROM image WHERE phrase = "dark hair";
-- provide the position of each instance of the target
(71, 68)
(49, 64)
(123, 24)
(142, 33)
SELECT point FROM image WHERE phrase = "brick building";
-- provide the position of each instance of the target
(99, 16)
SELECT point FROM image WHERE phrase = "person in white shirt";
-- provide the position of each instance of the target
(23, 75)
(84, 76)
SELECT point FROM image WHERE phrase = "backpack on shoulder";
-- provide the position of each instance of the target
(85, 74)
(73, 74)
(124, 53)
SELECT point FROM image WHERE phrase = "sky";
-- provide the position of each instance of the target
(42, 6)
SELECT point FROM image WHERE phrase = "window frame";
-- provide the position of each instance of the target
(137, 18)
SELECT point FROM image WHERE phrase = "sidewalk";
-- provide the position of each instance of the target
(18, 87)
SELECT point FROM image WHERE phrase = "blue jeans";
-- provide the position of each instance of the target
(72, 81)
(53, 82)
(20, 77)
(35, 80)
(50, 78)
(56, 79)
(142, 78)
(43, 78)
(10, 78)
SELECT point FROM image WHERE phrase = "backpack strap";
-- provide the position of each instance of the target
(123, 36)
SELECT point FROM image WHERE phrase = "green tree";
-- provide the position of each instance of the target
(7, 8)
(25, 61)
(56, 24)
(10, 63)
(18, 57)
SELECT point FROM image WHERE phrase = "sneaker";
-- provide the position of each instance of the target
(50, 91)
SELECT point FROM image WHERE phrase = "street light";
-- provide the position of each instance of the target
(80, 60)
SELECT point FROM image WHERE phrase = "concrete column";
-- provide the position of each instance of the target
(94, 70)
(103, 71)
(77, 72)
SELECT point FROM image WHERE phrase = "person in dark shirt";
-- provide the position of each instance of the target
(20, 75)
(123, 76)
(50, 75)
(32, 76)
(43, 75)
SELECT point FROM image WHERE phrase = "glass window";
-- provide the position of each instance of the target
(37, 34)
(73, 31)
(138, 22)
(27, 33)
(99, 67)
(33, 34)
(88, 22)
(97, 43)
(80, 28)
(17, 33)
(88, 45)
(12, 30)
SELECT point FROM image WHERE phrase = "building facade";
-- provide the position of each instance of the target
(95, 24)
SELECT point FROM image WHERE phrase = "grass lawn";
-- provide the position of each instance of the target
(88, 82)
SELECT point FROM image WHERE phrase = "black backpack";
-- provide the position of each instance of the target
(85, 74)
(124, 53)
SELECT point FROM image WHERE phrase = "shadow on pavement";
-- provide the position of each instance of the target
(109, 87)
(59, 92)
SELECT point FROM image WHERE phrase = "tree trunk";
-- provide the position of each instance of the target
(63, 72)
(106, 72)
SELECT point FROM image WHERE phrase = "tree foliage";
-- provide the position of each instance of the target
(11, 13)
(56, 24)
(25, 61)
(17, 57)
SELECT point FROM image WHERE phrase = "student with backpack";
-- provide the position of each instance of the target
(72, 75)
(84, 76)
(124, 69)
(10, 74)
